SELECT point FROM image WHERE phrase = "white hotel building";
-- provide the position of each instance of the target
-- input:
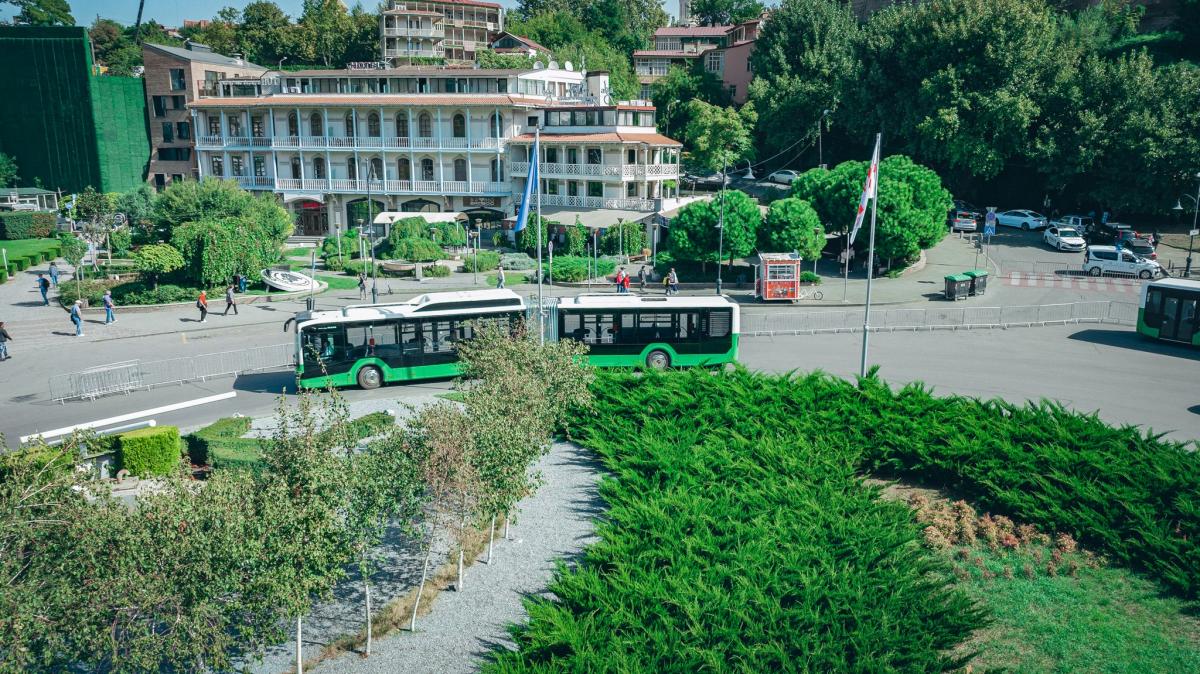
(437, 139)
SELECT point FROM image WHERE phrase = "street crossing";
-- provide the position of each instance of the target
(1080, 282)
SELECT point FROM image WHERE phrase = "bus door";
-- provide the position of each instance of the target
(374, 340)
(1178, 318)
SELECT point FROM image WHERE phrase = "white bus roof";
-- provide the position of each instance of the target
(1180, 283)
(424, 304)
(615, 301)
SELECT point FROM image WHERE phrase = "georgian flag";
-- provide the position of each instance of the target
(870, 191)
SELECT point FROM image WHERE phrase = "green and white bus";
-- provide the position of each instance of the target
(1170, 310)
(369, 345)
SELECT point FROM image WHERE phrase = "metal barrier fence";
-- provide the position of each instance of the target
(941, 318)
(132, 375)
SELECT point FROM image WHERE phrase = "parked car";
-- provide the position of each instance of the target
(1111, 232)
(1080, 223)
(785, 177)
(1140, 247)
(1100, 260)
(963, 221)
(1064, 238)
(1026, 220)
(710, 182)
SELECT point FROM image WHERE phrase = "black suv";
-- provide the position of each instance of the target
(1110, 233)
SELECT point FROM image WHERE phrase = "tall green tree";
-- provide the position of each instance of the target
(328, 27)
(9, 172)
(671, 94)
(803, 60)
(261, 35)
(42, 12)
(719, 138)
(792, 225)
(725, 12)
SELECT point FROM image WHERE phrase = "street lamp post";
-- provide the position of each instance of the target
(1187, 267)
(820, 133)
(721, 230)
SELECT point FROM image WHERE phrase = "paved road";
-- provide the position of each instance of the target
(1103, 368)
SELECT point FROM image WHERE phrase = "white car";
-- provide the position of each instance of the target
(1026, 220)
(785, 177)
(1064, 238)
(1100, 260)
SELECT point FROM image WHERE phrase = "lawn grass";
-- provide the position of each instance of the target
(221, 445)
(338, 281)
(19, 247)
(305, 253)
(1104, 620)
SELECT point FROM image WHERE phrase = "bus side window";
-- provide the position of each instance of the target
(410, 337)
(720, 323)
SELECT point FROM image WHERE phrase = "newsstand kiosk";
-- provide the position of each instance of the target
(777, 277)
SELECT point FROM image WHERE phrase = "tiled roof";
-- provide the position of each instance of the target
(692, 31)
(369, 100)
(423, 71)
(602, 137)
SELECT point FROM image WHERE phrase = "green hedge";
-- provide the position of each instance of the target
(221, 445)
(417, 250)
(572, 269)
(148, 452)
(436, 270)
(26, 225)
(3, 275)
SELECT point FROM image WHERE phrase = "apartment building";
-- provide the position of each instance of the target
(432, 138)
(442, 31)
(174, 77)
(721, 50)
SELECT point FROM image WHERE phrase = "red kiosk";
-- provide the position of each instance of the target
(777, 277)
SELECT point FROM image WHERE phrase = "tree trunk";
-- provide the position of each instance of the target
(367, 591)
(299, 647)
(491, 539)
(412, 625)
(506, 537)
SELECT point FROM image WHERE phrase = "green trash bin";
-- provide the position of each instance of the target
(979, 280)
(958, 286)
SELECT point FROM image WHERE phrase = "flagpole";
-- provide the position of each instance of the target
(537, 148)
(862, 368)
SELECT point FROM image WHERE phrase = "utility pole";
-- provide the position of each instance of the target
(721, 230)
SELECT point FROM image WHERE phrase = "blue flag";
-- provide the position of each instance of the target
(530, 184)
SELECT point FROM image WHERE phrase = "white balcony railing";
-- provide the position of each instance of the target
(405, 31)
(324, 185)
(379, 142)
(655, 71)
(613, 203)
(415, 53)
(624, 171)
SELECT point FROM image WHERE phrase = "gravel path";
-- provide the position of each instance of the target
(554, 523)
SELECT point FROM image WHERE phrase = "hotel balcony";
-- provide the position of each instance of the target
(342, 185)
(348, 143)
(405, 31)
(414, 53)
(623, 171)
(611, 203)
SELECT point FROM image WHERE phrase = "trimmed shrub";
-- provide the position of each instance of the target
(221, 445)
(356, 267)
(3, 276)
(22, 262)
(517, 261)
(571, 269)
(336, 262)
(148, 452)
(26, 225)
(436, 270)
(809, 277)
(137, 293)
(488, 260)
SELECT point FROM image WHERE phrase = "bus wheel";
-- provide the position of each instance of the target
(658, 359)
(369, 377)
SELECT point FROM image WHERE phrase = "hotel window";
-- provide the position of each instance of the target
(402, 125)
(293, 125)
(551, 155)
(235, 165)
(316, 125)
(178, 102)
(376, 169)
(350, 124)
(551, 187)
(160, 105)
(218, 166)
(177, 83)
(460, 170)
(214, 125)
(351, 170)
(319, 168)
(495, 125)
(404, 169)
(426, 169)
(572, 156)
(630, 156)
(260, 167)
(459, 124)
(595, 189)
(572, 189)
(168, 132)
(631, 189)
(497, 170)
(296, 171)
(373, 129)
(256, 127)
(714, 62)
(425, 125)
(595, 155)
(235, 125)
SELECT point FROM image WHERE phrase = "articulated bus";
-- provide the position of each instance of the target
(1170, 310)
(369, 345)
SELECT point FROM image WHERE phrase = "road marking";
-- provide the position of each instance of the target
(131, 416)
(1066, 282)
(1016, 278)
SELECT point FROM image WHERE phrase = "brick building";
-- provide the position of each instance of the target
(174, 77)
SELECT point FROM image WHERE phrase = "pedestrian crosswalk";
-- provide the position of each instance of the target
(1073, 282)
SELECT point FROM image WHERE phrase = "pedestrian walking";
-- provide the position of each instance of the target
(666, 284)
(499, 277)
(202, 305)
(619, 281)
(362, 286)
(44, 286)
(241, 281)
(5, 338)
(643, 276)
(625, 285)
(229, 303)
(108, 308)
(77, 317)
(54, 274)
(673, 282)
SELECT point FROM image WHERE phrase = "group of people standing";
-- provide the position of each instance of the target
(670, 281)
